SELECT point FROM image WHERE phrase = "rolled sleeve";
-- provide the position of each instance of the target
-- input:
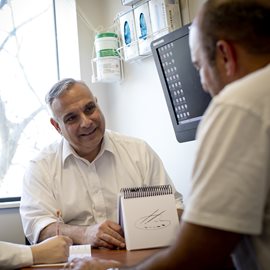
(38, 204)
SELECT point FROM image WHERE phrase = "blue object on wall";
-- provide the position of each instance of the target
(143, 27)
(127, 34)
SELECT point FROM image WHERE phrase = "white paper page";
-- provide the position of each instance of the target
(149, 221)
(79, 251)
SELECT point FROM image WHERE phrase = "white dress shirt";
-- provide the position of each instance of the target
(86, 193)
(231, 178)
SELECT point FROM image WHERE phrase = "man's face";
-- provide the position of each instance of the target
(78, 118)
(210, 74)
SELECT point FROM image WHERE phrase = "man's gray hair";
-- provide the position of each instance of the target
(60, 87)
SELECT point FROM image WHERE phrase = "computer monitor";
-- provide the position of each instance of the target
(185, 98)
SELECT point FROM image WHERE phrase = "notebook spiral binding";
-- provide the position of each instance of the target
(137, 192)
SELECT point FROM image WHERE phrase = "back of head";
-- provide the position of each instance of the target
(245, 22)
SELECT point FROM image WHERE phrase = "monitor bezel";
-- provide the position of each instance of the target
(185, 131)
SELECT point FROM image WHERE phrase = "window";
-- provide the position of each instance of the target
(29, 66)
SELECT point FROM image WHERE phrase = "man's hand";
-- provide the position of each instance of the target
(107, 234)
(52, 250)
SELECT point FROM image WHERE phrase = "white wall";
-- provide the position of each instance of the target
(136, 106)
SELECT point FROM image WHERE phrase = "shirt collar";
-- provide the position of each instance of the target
(69, 151)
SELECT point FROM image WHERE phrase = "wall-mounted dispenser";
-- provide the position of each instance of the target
(106, 66)
(127, 31)
(143, 22)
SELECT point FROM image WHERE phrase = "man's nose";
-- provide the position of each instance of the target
(85, 120)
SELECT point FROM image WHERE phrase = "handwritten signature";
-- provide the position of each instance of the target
(153, 221)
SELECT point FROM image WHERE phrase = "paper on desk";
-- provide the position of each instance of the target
(79, 251)
(47, 265)
(75, 251)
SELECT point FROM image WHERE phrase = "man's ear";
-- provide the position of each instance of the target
(56, 126)
(226, 54)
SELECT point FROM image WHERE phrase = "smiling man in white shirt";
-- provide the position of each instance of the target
(82, 174)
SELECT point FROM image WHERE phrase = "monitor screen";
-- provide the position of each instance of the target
(185, 98)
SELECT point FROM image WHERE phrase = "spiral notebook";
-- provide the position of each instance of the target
(148, 216)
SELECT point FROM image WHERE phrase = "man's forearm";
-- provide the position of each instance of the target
(75, 232)
(195, 247)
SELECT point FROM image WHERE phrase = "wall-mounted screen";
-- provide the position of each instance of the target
(186, 100)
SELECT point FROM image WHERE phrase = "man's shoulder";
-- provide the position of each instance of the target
(49, 151)
(250, 88)
(119, 137)
(123, 141)
(128, 146)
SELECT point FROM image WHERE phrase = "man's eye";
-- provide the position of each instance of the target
(196, 66)
(90, 109)
(70, 119)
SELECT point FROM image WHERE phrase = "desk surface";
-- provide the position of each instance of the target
(126, 258)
